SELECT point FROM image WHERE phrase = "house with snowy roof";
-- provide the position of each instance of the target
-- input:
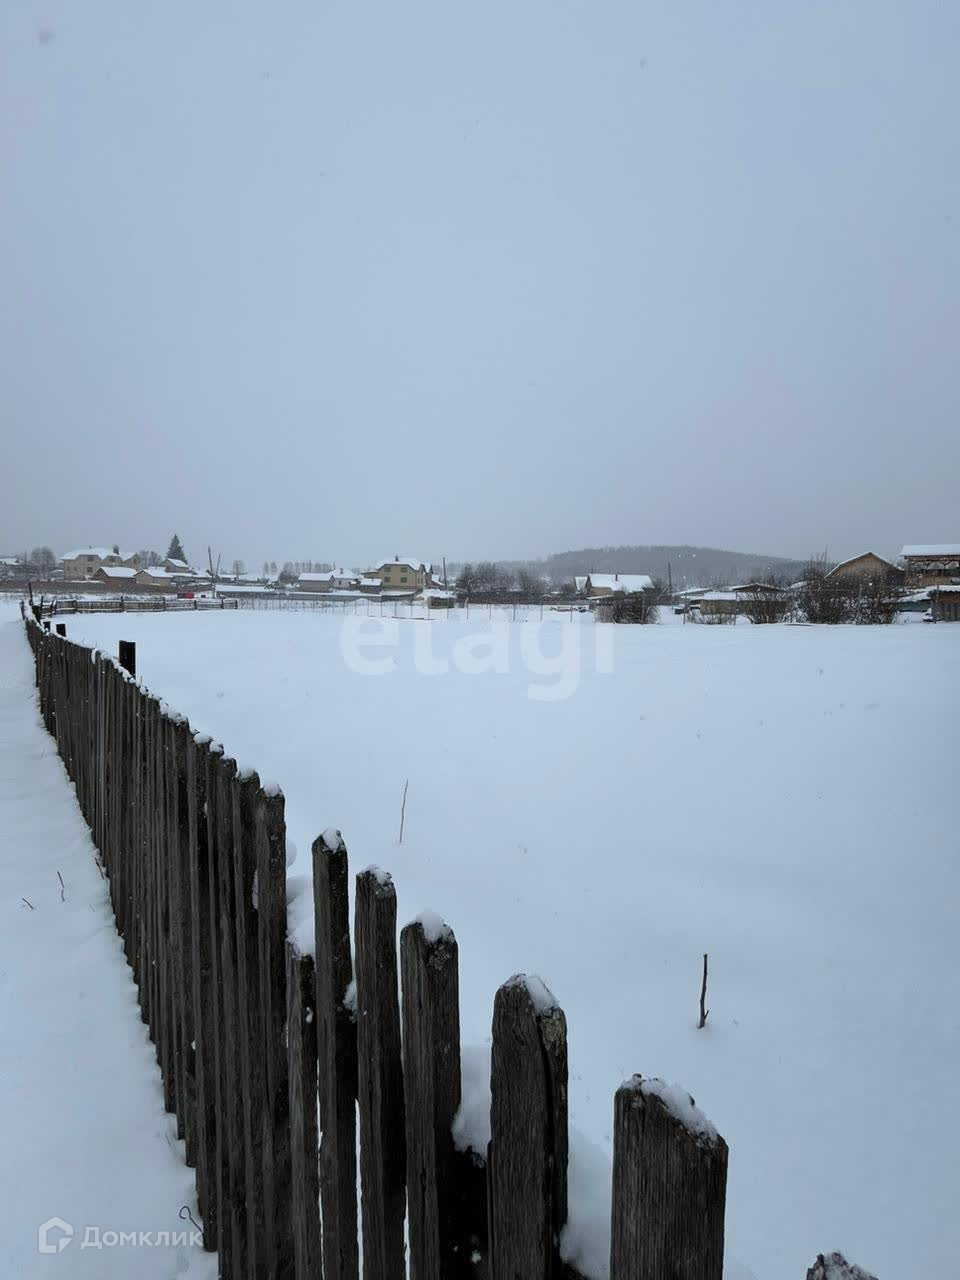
(118, 577)
(11, 567)
(179, 568)
(83, 563)
(866, 565)
(608, 584)
(403, 573)
(158, 579)
(931, 564)
(336, 580)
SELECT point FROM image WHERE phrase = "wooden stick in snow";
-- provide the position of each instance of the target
(703, 996)
(403, 808)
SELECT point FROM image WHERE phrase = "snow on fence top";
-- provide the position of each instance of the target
(541, 997)
(383, 878)
(678, 1102)
(435, 928)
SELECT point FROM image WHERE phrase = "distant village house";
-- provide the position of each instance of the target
(78, 566)
(403, 574)
(932, 564)
(866, 565)
(598, 585)
(335, 580)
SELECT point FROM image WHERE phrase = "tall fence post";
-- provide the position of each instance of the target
(304, 1135)
(231, 1198)
(337, 1065)
(380, 1083)
(128, 656)
(272, 937)
(527, 1163)
(669, 1186)
(200, 762)
(431, 1080)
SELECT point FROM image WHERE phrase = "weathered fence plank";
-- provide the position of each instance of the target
(431, 1080)
(337, 1058)
(128, 656)
(304, 1137)
(380, 1081)
(228, 1090)
(201, 791)
(244, 800)
(527, 1163)
(669, 1186)
(271, 896)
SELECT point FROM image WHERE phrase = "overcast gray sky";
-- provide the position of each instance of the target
(332, 281)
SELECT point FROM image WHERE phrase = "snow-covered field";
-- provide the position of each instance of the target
(608, 803)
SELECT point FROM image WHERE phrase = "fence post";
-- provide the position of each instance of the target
(527, 1162)
(304, 1136)
(669, 1186)
(337, 1066)
(228, 1079)
(242, 801)
(272, 937)
(431, 1079)
(178, 850)
(128, 656)
(380, 1078)
(200, 764)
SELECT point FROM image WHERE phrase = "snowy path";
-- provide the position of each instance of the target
(85, 1135)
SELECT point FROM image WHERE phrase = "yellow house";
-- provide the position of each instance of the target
(403, 574)
(84, 563)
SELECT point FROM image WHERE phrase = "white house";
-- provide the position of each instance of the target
(608, 584)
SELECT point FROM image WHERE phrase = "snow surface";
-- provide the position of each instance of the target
(85, 1135)
(780, 797)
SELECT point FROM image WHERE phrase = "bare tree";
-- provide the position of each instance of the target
(848, 597)
(821, 598)
(238, 569)
(763, 607)
(529, 586)
(467, 580)
(43, 560)
(629, 606)
(878, 597)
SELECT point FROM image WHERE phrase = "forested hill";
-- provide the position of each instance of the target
(690, 566)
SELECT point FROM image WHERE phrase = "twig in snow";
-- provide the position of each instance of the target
(703, 996)
(185, 1213)
(63, 888)
(29, 904)
(403, 808)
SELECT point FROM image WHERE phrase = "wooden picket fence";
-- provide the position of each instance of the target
(261, 1047)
